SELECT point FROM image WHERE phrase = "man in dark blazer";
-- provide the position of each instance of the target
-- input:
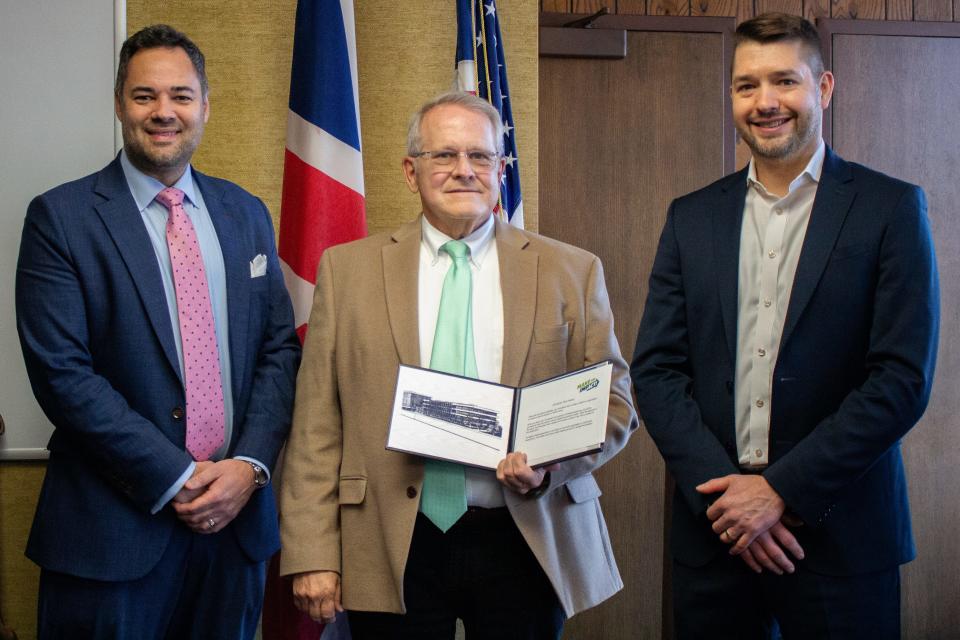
(136, 537)
(787, 345)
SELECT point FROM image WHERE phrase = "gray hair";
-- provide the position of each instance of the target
(459, 98)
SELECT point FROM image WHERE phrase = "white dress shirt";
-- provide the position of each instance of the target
(483, 488)
(771, 239)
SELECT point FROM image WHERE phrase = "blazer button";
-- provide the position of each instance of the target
(411, 492)
(177, 413)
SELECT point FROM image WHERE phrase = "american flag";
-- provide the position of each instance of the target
(322, 205)
(482, 70)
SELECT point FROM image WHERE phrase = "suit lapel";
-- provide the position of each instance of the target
(834, 196)
(518, 283)
(401, 269)
(123, 222)
(227, 224)
(727, 223)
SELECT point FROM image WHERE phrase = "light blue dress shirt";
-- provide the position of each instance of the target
(144, 190)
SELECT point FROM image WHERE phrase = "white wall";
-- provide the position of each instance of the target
(56, 124)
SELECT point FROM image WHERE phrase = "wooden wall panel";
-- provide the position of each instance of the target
(899, 9)
(592, 6)
(633, 7)
(813, 9)
(793, 7)
(669, 8)
(900, 126)
(859, 9)
(640, 110)
(713, 7)
(933, 10)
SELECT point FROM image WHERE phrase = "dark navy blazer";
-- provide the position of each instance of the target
(853, 374)
(100, 354)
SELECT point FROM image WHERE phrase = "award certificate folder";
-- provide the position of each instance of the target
(477, 423)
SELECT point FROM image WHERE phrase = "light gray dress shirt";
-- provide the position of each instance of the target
(771, 239)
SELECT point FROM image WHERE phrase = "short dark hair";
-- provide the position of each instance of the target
(780, 27)
(159, 36)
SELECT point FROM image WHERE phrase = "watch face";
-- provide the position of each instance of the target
(259, 475)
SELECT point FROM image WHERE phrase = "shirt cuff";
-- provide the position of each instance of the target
(174, 488)
(256, 462)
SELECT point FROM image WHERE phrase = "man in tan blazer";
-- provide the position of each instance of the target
(532, 547)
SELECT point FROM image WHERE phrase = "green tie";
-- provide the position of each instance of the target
(444, 498)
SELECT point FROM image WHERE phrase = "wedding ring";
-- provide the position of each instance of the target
(211, 523)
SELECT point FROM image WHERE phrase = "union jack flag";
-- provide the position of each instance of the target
(482, 71)
(322, 205)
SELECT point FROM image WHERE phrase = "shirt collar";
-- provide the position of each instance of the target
(145, 188)
(811, 172)
(479, 241)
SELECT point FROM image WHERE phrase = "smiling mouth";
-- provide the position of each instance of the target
(163, 135)
(771, 124)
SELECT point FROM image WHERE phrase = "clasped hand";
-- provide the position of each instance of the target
(750, 516)
(214, 494)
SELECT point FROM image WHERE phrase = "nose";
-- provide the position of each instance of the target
(462, 167)
(163, 109)
(768, 98)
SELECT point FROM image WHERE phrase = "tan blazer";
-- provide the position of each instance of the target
(349, 505)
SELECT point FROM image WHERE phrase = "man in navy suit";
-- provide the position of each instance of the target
(787, 345)
(136, 537)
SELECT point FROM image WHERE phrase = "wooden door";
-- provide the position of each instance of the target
(619, 139)
(894, 109)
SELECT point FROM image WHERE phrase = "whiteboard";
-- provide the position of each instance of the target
(56, 107)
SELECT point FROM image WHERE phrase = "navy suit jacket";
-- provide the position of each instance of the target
(100, 354)
(853, 374)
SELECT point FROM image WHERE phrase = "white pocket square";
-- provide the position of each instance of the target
(258, 266)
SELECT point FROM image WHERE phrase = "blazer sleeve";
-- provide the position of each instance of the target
(128, 450)
(269, 410)
(899, 365)
(600, 345)
(309, 490)
(663, 377)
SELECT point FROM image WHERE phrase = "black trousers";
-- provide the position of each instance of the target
(725, 599)
(480, 571)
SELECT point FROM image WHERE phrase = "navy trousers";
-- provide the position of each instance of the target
(725, 599)
(203, 587)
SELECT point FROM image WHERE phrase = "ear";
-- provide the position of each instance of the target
(826, 89)
(206, 109)
(500, 170)
(409, 167)
(117, 108)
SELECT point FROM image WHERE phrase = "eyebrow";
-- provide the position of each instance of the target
(175, 89)
(783, 73)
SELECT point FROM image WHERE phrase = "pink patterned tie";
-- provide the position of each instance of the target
(201, 359)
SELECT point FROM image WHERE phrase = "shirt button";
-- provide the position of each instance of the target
(177, 413)
(760, 403)
(772, 254)
(779, 212)
(759, 453)
(761, 352)
(767, 302)
(411, 492)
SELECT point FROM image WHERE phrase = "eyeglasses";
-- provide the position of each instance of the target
(479, 160)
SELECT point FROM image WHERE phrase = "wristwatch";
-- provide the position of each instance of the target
(259, 475)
